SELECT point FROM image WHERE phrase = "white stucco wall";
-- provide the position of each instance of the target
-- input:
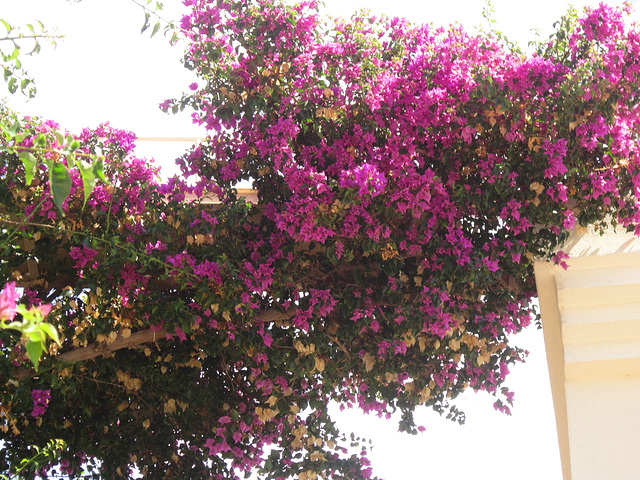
(591, 319)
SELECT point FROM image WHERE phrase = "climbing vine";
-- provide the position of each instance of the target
(406, 178)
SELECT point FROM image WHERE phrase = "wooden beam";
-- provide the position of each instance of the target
(145, 336)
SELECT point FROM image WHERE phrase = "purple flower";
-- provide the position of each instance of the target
(367, 178)
(82, 256)
(41, 399)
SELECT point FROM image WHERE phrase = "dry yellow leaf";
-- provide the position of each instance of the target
(409, 339)
(484, 358)
(320, 364)
(369, 361)
(391, 377)
(131, 383)
(303, 349)
(170, 406)
(425, 394)
(265, 414)
(537, 187)
(422, 342)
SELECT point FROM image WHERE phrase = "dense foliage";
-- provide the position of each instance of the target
(406, 178)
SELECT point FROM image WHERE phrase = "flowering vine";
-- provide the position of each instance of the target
(406, 178)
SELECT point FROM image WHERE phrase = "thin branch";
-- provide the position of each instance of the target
(31, 37)
(150, 11)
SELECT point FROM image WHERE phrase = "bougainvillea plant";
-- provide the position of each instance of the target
(406, 179)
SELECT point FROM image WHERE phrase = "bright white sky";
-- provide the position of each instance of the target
(104, 70)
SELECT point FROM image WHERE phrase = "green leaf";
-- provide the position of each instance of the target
(60, 181)
(71, 160)
(73, 145)
(13, 85)
(34, 352)
(40, 141)
(156, 28)
(6, 25)
(88, 179)
(35, 334)
(30, 162)
(98, 170)
(146, 22)
(15, 54)
(60, 137)
(50, 330)
(13, 129)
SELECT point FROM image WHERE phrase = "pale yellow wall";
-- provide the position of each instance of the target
(591, 319)
(604, 428)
